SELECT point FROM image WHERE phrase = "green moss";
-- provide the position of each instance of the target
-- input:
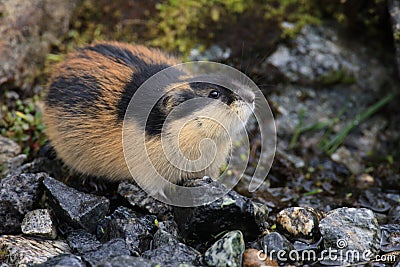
(368, 17)
(183, 24)
(396, 35)
(335, 77)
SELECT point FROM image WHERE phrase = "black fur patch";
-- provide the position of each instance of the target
(137, 79)
(157, 116)
(117, 54)
(155, 121)
(74, 94)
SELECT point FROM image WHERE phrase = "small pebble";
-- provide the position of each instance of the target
(390, 237)
(39, 223)
(364, 181)
(227, 251)
(254, 258)
(300, 223)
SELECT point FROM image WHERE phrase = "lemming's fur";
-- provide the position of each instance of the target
(86, 103)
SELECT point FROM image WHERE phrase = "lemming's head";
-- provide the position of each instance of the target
(203, 105)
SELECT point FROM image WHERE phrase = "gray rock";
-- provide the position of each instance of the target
(82, 242)
(277, 242)
(28, 28)
(109, 250)
(18, 195)
(8, 150)
(139, 198)
(321, 55)
(394, 11)
(227, 251)
(214, 53)
(375, 200)
(231, 212)
(14, 163)
(390, 237)
(63, 260)
(127, 261)
(349, 159)
(163, 238)
(79, 209)
(352, 234)
(22, 251)
(35, 166)
(170, 227)
(299, 223)
(394, 215)
(167, 233)
(39, 223)
(173, 255)
(124, 223)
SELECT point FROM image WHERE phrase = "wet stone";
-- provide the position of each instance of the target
(299, 223)
(127, 261)
(227, 251)
(254, 258)
(230, 212)
(167, 233)
(63, 260)
(170, 227)
(125, 223)
(79, 209)
(109, 250)
(375, 200)
(39, 223)
(163, 238)
(173, 255)
(276, 242)
(394, 215)
(139, 198)
(22, 251)
(18, 195)
(82, 242)
(352, 231)
(390, 237)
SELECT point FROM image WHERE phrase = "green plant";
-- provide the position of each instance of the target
(21, 120)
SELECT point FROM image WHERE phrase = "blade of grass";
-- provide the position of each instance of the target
(297, 132)
(323, 142)
(336, 141)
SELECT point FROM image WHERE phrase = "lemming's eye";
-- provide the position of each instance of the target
(214, 94)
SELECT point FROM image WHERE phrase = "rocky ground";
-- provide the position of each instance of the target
(332, 196)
